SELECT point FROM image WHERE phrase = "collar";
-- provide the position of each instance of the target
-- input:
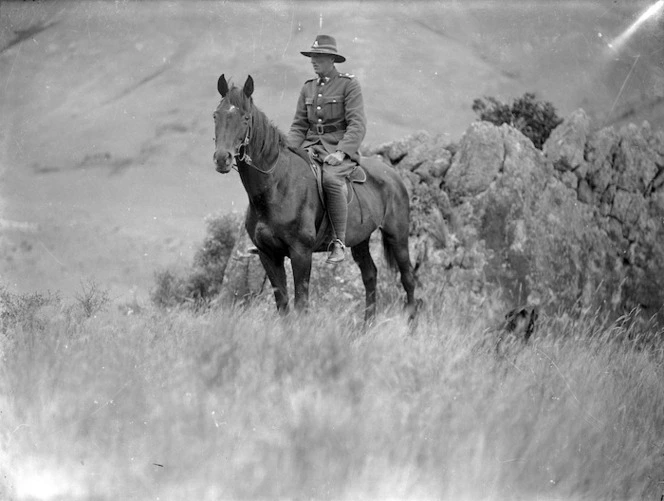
(327, 78)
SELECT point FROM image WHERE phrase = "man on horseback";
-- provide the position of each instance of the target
(330, 123)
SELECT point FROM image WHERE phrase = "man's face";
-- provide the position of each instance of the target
(322, 63)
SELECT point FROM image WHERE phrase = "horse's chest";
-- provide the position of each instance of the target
(271, 235)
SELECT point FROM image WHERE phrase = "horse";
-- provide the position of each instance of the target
(286, 212)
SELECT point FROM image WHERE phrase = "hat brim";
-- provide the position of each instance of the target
(338, 58)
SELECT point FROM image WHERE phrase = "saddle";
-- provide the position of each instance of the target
(357, 176)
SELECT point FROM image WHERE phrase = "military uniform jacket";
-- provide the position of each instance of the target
(330, 112)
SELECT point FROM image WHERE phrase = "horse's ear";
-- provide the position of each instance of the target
(249, 86)
(222, 86)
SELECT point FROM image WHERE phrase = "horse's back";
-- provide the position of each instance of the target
(382, 175)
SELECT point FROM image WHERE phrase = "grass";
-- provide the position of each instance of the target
(242, 404)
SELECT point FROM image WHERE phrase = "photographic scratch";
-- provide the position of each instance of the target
(624, 83)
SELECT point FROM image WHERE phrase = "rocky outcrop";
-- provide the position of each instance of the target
(577, 226)
(574, 226)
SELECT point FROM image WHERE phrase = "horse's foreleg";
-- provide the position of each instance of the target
(301, 264)
(362, 257)
(276, 273)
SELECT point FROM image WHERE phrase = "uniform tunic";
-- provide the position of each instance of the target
(330, 112)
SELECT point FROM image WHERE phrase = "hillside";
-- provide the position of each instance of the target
(106, 106)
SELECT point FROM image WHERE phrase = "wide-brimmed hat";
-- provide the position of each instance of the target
(324, 44)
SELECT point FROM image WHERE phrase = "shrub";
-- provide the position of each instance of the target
(534, 119)
(23, 309)
(92, 299)
(203, 281)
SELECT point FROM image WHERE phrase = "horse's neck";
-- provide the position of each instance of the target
(273, 184)
(260, 179)
(264, 152)
(264, 145)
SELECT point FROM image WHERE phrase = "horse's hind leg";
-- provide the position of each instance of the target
(363, 258)
(398, 249)
(276, 273)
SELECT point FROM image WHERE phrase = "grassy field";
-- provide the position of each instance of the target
(107, 403)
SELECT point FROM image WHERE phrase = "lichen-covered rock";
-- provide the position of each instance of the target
(395, 151)
(635, 164)
(565, 147)
(477, 162)
(244, 277)
(583, 234)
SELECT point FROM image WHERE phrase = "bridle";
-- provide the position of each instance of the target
(241, 154)
(241, 150)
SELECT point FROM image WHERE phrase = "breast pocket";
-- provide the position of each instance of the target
(333, 108)
(309, 102)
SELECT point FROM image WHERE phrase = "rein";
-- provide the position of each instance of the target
(241, 154)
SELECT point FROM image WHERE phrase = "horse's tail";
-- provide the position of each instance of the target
(388, 252)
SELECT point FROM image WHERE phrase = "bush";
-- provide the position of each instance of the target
(202, 282)
(23, 309)
(92, 299)
(534, 119)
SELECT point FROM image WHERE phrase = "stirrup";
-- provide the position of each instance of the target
(338, 259)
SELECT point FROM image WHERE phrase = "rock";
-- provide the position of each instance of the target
(244, 276)
(478, 161)
(565, 147)
(634, 166)
(427, 151)
(584, 192)
(602, 147)
(588, 237)
(397, 150)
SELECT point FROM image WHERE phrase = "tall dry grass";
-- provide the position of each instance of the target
(242, 404)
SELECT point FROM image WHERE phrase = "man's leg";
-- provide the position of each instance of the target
(334, 181)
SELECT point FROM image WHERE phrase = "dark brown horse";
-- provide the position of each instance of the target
(285, 211)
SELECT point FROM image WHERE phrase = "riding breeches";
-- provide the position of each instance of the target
(334, 186)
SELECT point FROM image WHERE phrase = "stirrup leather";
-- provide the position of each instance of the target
(336, 241)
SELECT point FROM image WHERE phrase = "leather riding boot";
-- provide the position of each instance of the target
(337, 254)
(338, 213)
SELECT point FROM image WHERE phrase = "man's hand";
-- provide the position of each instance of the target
(335, 158)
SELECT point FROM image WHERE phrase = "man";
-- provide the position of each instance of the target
(330, 122)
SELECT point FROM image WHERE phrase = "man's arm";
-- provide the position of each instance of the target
(300, 125)
(355, 119)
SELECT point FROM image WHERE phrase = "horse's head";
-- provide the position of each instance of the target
(232, 123)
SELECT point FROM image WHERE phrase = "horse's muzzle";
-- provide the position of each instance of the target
(223, 161)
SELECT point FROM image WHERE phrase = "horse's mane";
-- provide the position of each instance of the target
(266, 138)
